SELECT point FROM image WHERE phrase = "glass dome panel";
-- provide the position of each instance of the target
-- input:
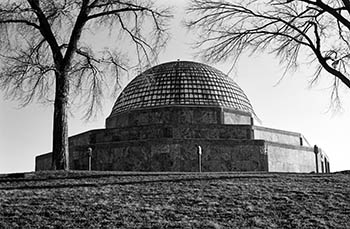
(182, 83)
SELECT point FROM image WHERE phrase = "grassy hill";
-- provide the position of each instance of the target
(174, 200)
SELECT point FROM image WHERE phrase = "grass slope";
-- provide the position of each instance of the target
(174, 200)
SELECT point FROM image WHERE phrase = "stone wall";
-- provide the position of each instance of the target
(149, 132)
(247, 155)
(178, 115)
(169, 148)
(278, 136)
(181, 155)
(322, 161)
(145, 144)
(232, 117)
(287, 158)
(175, 155)
(43, 162)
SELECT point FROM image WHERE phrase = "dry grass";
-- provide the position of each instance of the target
(167, 200)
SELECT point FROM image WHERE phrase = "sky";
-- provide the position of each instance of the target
(288, 105)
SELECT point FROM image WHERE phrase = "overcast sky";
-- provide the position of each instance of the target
(289, 105)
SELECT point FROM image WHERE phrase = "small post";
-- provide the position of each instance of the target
(89, 151)
(199, 151)
(316, 151)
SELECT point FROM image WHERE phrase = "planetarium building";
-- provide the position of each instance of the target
(175, 114)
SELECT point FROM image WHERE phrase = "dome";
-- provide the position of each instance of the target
(181, 83)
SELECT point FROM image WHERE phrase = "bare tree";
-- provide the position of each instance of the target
(296, 31)
(48, 51)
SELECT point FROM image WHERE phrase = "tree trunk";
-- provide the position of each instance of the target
(60, 124)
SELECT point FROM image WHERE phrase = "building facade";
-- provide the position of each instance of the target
(172, 114)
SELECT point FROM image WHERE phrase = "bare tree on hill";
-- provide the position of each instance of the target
(48, 50)
(296, 31)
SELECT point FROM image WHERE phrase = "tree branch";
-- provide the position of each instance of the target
(113, 12)
(330, 10)
(347, 5)
(46, 31)
(76, 33)
(20, 21)
(230, 27)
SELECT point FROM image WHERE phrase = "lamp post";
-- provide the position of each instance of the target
(89, 151)
(199, 150)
